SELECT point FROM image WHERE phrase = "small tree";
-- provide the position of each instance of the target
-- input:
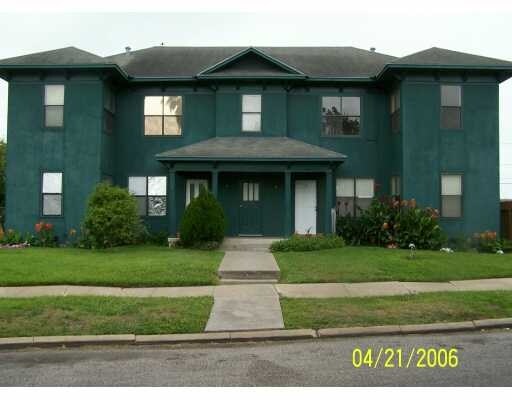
(111, 218)
(203, 221)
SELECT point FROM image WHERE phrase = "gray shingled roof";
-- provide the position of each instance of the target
(314, 62)
(65, 56)
(437, 56)
(251, 148)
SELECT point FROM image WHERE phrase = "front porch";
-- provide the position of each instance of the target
(273, 187)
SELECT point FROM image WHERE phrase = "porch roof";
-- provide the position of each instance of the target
(257, 149)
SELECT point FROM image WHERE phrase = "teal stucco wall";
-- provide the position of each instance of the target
(419, 153)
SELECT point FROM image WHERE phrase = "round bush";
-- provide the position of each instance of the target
(203, 221)
(111, 218)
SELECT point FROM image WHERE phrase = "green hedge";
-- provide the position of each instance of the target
(308, 243)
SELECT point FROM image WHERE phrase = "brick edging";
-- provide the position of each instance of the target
(252, 336)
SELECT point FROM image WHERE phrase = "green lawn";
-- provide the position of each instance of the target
(122, 266)
(365, 264)
(415, 309)
(55, 316)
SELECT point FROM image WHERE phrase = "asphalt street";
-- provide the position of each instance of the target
(484, 359)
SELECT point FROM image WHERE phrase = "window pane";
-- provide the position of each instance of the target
(332, 125)
(141, 205)
(345, 206)
(256, 196)
(52, 182)
(251, 103)
(345, 187)
(137, 185)
(172, 125)
(362, 204)
(351, 125)
(153, 105)
(54, 116)
(152, 125)
(351, 106)
(54, 95)
(251, 122)
(157, 185)
(245, 196)
(157, 205)
(52, 204)
(451, 185)
(450, 118)
(451, 206)
(395, 186)
(331, 105)
(172, 105)
(364, 188)
(451, 95)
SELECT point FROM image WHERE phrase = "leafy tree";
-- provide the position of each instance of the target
(111, 218)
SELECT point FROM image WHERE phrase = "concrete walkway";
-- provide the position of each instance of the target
(245, 307)
(248, 265)
(309, 290)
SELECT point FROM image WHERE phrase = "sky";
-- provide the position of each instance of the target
(486, 32)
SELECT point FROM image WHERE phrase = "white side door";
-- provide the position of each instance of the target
(193, 187)
(305, 206)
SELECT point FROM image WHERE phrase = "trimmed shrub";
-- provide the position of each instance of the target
(308, 243)
(392, 223)
(111, 218)
(203, 223)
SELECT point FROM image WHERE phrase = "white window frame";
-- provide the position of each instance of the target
(459, 192)
(46, 192)
(48, 104)
(348, 188)
(250, 112)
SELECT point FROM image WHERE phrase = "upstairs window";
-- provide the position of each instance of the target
(251, 113)
(109, 105)
(54, 106)
(451, 196)
(353, 195)
(451, 107)
(162, 115)
(51, 192)
(150, 193)
(341, 116)
(395, 110)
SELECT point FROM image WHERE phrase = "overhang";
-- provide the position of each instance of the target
(252, 149)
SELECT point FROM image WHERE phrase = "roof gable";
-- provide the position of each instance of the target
(250, 62)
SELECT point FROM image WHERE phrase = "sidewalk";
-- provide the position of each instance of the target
(309, 290)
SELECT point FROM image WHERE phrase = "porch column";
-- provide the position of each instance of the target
(171, 203)
(288, 209)
(215, 183)
(328, 201)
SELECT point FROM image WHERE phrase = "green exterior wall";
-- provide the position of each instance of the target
(418, 153)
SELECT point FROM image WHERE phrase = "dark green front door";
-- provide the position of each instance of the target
(250, 208)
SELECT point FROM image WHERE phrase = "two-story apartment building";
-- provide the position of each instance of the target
(281, 135)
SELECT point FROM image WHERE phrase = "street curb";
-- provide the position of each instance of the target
(252, 336)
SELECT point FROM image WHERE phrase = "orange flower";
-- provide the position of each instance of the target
(412, 203)
(38, 227)
(404, 203)
(385, 226)
(48, 227)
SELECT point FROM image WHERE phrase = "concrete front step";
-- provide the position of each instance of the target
(248, 265)
(247, 281)
(248, 244)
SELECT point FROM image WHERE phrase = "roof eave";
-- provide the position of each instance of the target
(7, 67)
(490, 68)
(339, 159)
